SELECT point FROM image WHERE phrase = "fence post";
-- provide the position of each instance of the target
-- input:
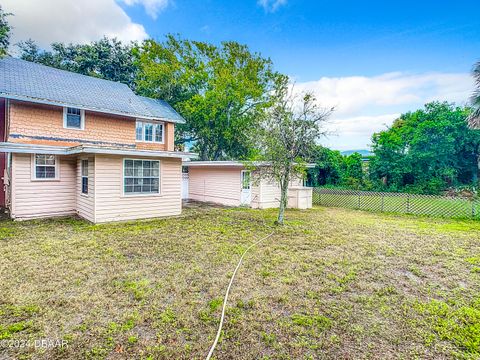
(473, 208)
(383, 202)
(359, 200)
(408, 203)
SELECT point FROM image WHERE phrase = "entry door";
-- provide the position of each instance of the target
(185, 185)
(246, 195)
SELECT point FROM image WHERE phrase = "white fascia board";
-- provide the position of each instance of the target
(231, 163)
(109, 151)
(32, 148)
(65, 150)
(212, 163)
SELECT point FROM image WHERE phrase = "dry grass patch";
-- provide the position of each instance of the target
(332, 283)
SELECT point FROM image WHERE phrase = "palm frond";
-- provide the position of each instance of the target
(474, 118)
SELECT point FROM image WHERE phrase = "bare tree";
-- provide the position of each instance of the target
(288, 133)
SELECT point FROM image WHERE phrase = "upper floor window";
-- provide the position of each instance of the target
(149, 131)
(45, 167)
(73, 118)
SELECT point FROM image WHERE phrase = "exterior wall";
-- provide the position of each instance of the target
(105, 200)
(43, 124)
(3, 156)
(219, 185)
(222, 185)
(300, 198)
(112, 205)
(266, 194)
(168, 140)
(34, 198)
(85, 203)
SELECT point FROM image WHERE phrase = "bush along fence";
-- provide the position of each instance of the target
(442, 206)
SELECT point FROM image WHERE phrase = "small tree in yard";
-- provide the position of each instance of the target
(288, 135)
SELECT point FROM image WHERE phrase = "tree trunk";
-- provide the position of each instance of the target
(478, 168)
(283, 198)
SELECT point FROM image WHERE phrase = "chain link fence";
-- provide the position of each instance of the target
(442, 206)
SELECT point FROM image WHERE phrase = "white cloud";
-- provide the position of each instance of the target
(363, 105)
(152, 7)
(354, 94)
(354, 133)
(70, 21)
(271, 5)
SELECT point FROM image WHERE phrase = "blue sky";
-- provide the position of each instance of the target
(309, 39)
(372, 60)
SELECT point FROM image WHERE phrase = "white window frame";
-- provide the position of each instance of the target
(154, 123)
(242, 177)
(34, 169)
(84, 176)
(82, 119)
(128, 194)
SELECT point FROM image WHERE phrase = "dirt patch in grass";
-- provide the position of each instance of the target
(331, 283)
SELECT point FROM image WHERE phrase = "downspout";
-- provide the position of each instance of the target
(7, 176)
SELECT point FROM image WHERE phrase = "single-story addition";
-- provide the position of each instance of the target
(231, 183)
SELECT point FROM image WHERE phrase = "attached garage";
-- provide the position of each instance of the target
(230, 183)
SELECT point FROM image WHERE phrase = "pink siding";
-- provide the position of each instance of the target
(3, 156)
(85, 204)
(219, 185)
(300, 197)
(105, 200)
(112, 205)
(33, 199)
(222, 185)
(266, 194)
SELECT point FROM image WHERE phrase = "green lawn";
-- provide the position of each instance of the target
(333, 283)
(418, 205)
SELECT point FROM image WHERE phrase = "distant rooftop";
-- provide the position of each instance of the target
(28, 81)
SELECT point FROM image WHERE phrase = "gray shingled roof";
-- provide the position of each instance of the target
(25, 80)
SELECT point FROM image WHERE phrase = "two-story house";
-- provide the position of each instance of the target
(75, 144)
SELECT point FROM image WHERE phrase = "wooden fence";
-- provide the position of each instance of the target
(442, 206)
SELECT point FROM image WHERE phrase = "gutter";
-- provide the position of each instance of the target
(83, 149)
(227, 163)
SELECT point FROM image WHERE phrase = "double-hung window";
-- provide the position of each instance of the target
(141, 176)
(84, 177)
(45, 167)
(149, 131)
(73, 118)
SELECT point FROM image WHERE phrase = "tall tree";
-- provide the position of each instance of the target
(220, 90)
(333, 168)
(106, 58)
(5, 30)
(287, 136)
(328, 167)
(427, 150)
(352, 170)
(474, 119)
